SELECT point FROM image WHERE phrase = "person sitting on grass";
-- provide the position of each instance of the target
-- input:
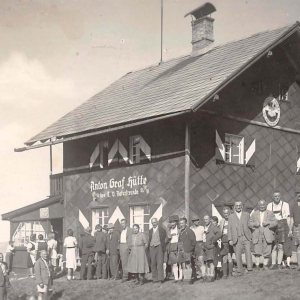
(211, 235)
(262, 222)
(137, 261)
(42, 275)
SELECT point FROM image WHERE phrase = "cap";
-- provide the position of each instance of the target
(173, 218)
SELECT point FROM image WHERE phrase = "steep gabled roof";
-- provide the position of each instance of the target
(181, 84)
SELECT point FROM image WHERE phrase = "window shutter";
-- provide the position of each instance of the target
(95, 155)
(145, 148)
(220, 148)
(298, 160)
(113, 151)
(250, 149)
(123, 152)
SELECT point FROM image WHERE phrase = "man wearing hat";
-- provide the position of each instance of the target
(295, 223)
(113, 240)
(172, 247)
(86, 245)
(199, 263)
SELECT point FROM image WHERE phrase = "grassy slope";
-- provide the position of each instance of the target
(273, 285)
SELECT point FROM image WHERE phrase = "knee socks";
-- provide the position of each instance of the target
(175, 271)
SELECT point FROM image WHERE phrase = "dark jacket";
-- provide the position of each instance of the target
(113, 243)
(86, 244)
(3, 277)
(42, 273)
(188, 238)
(212, 235)
(162, 237)
(233, 227)
(101, 241)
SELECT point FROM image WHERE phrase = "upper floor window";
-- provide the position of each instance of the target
(234, 149)
(117, 152)
(283, 92)
(140, 215)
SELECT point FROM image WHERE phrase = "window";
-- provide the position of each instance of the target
(137, 146)
(25, 230)
(234, 149)
(283, 92)
(140, 215)
(100, 216)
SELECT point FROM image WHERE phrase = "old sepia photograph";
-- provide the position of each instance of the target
(150, 149)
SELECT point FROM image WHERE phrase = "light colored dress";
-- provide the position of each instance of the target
(31, 249)
(70, 243)
(52, 247)
(137, 261)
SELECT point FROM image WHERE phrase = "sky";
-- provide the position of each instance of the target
(56, 54)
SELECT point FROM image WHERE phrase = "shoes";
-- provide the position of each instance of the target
(280, 267)
(273, 267)
(238, 274)
(288, 267)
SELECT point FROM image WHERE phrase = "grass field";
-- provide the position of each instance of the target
(275, 285)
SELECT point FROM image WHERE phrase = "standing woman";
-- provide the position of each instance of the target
(71, 244)
(31, 249)
(52, 250)
(137, 261)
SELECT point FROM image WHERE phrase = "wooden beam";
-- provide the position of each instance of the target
(187, 171)
(50, 159)
(102, 131)
(291, 60)
(205, 111)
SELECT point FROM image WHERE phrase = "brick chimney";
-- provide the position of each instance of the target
(202, 28)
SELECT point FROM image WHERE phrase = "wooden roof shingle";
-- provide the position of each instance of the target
(176, 85)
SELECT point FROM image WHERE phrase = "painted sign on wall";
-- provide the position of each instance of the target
(127, 186)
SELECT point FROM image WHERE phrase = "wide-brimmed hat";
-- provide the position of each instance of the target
(173, 218)
(195, 219)
(110, 226)
(88, 230)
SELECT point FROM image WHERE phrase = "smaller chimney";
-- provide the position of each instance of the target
(202, 28)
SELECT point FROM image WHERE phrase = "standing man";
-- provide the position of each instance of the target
(199, 262)
(295, 224)
(172, 247)
(42, 275)
(113, 241)
(211, 235)
(186, 245)
(86, 245)
(157, 245)
(281, 211)
(125, 246)
(239, 236)
(262, 222)
(226, 249)
(100, 252)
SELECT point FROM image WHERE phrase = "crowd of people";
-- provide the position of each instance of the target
(238, 241)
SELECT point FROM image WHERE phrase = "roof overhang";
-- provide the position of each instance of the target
(295, 28)
(29, 208)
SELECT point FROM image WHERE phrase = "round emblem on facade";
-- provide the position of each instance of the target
(271, 111)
